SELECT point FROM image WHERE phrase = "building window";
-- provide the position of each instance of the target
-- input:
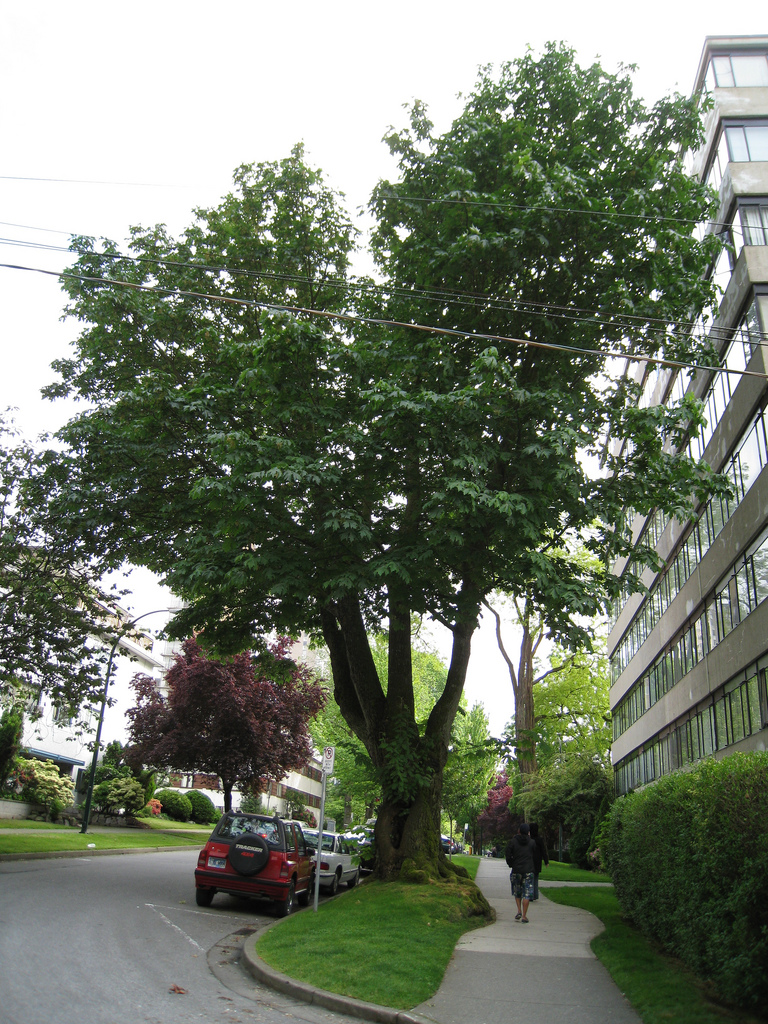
(741, 71)
(734, 712)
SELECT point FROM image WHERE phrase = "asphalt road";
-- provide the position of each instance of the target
(120, 940)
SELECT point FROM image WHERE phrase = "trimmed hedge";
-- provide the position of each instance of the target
(175, 804)
(203, 811)
(689, 860)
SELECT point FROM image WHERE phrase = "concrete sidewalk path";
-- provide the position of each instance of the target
(543, 971)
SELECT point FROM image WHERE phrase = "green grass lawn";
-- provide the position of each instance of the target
(413, 929)
(23, 823)
(167, 825)
(467, 861)
(660, 988)
(72, 839)
(557, 871)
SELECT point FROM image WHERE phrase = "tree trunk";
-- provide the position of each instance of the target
(410, 765)
(410, 833)
(525, 720)
(227, 786)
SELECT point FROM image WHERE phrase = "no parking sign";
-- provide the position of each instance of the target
(329, 753)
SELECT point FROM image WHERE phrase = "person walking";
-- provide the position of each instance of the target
(519, 855)
(540, 856)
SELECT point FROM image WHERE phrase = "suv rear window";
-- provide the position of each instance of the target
(240, 824)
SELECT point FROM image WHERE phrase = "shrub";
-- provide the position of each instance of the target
(251, 804)
(120, 794)
(43, 783)
(203, 811)
(689, 861)
(175, 804)
(11, 728)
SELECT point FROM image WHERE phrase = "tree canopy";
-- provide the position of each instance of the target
(292, 448)
(52, 608)
(243, 719)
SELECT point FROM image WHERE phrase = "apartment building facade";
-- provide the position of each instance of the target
(689, 658)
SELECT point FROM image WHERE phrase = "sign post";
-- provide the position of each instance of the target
(329, 753)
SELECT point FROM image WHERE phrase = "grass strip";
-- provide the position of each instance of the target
(74, 840)
(385, 943)
(660, 988)
(558, 871)
(24, 823)
(167, 824)
(467, 861)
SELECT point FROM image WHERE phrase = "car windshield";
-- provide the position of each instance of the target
(311, 838)
(243, 824)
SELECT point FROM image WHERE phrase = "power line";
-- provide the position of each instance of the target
(382, 322)
(86, 181)
(625, 321)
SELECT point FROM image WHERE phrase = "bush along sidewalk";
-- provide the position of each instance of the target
(689, 861)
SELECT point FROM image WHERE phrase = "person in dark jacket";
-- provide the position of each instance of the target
(519, 855)
(540, 856)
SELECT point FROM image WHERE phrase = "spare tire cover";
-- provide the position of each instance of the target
(248, 854)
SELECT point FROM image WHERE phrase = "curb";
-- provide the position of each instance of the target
(273, 979)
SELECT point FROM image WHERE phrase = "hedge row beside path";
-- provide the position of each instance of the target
(689, 861)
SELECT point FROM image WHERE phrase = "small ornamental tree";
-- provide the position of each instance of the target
(496, 821)
(244, 719)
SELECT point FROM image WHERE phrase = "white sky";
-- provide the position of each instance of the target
(151, 105)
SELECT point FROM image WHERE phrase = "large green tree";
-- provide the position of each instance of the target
(282, 468)
(52, 609)
(470, 768)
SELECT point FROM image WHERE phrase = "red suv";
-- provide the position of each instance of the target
(253, 855)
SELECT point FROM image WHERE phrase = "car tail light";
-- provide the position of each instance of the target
(283, 870)
(324, 866)
(201, 858)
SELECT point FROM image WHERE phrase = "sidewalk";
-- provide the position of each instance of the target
(543, 971)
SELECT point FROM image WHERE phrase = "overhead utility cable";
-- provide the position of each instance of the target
(588, 316)
(381, 322)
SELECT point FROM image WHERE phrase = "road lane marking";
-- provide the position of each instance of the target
(175, 926)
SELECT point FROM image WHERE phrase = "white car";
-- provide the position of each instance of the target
(335, 859)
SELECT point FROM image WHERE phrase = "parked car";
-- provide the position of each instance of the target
(255, 855)
(336, 859)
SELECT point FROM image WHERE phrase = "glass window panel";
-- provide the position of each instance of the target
(757, 141)
(749, 459)
(723, 73)
(752, 222)
(737, 144)
(696, 738)
(736, 357)
(753, 704)
(744, 595)
(721, 727)
(707, 731)
(737, 715)
(748, 71)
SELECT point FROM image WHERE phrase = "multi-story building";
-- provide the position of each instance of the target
(53, 733)
(689, 657)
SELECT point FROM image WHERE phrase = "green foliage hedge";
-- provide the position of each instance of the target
(689, 861)
(203, 811)
(175, 805)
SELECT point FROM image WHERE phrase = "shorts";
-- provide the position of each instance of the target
(522, 885)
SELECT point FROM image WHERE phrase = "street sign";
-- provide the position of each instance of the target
(329, 753)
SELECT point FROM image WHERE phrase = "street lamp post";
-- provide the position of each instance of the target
(118, 638)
